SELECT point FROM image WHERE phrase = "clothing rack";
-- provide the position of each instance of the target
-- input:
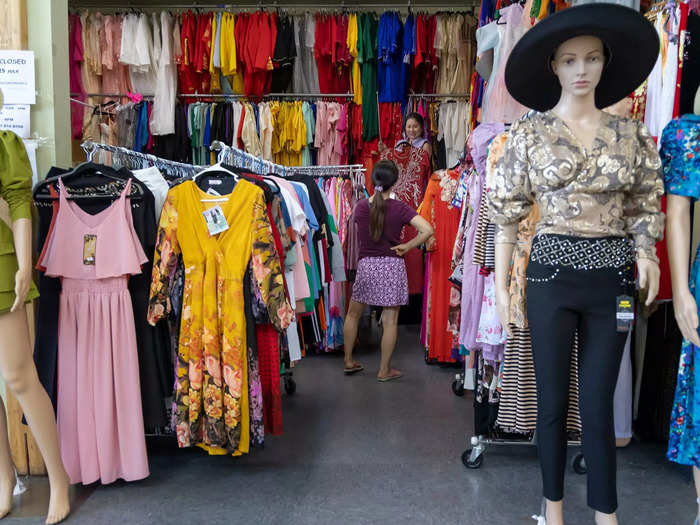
(328, 7)
(241, 159)
(170, 167)
(221, 95)
(438, 95)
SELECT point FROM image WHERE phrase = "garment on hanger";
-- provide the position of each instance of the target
(155, 366)
(414, 172)
(438, 210)
(99, 418)
(389, 58)
(211, 387)
(501, 36)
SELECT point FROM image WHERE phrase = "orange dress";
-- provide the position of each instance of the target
(437, 209)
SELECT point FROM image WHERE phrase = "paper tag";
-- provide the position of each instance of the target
(216, 221)
(624, 312)
(89, 249)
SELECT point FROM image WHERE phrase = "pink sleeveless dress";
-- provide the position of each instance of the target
(100, 421)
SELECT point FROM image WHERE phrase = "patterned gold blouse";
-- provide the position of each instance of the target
(613, 190)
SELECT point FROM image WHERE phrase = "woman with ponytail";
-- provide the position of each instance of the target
(381, 271)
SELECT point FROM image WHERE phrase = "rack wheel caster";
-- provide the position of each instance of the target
(290, 386)
(579, 464)
(468, 462)
(458, 388)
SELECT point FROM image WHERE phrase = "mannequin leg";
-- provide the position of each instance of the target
(600, 354)
(18, 371)
(7, 470)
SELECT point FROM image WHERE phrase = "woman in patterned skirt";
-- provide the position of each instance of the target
(381, 271)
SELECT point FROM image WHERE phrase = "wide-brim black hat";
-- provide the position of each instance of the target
(632, 48)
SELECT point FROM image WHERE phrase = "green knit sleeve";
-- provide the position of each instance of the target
(15, 176)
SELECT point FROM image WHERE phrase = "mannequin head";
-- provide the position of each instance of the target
(414, 126)
(696, 106)
(578, 64)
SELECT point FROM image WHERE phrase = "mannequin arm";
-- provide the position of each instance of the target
(649, 276)
(678, 240)
(22, 231)
(504, 254)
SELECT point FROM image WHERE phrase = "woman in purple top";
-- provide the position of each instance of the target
(381, 271)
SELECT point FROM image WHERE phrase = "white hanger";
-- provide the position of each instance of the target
(216, 167)
(219, 168)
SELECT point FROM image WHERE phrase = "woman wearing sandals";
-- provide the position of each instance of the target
(381, 272)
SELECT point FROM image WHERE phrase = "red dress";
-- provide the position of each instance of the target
(414, 171)
(438, 210)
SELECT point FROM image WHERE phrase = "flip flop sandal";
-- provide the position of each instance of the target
(389, 378)
(353, 370)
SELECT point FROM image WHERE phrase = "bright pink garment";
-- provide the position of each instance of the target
(115, 76)
(75, 59)
(100, 421)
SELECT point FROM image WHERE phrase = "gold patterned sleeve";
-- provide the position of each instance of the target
(644, 220)
(508, 191)
(267, 269)
(164, 261)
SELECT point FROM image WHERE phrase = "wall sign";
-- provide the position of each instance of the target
(15, 117)
(17, 77)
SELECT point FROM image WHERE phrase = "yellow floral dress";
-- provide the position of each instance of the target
(211, 391)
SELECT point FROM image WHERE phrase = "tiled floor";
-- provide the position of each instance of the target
(357, 451)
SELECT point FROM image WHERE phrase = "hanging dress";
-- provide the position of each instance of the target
(211, 388)
(99, 415)
(437, 209)
(414, 172)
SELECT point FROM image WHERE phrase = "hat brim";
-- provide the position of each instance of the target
(631, 41)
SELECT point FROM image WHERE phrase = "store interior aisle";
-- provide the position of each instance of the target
(357, 451)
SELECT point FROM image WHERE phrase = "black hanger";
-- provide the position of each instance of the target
(42, 190)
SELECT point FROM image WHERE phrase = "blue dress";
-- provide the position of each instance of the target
(680, 153)
(390, 58)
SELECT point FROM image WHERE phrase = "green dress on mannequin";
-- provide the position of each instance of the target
(16, 190)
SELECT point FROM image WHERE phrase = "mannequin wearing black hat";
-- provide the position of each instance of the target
(596, 180)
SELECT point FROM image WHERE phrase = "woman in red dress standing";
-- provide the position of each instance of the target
(413, 158)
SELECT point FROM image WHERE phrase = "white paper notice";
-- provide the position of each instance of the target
(15, 118)
(17, 77)
(31, 145)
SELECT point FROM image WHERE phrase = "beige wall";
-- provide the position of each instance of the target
(47, 36)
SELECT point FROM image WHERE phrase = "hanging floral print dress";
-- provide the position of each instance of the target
(680, 153)
(211, 390)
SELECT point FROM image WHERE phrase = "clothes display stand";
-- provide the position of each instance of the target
(123, 157)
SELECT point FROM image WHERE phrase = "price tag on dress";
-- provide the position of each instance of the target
(216, 220)
(624, 312)
(89, 249)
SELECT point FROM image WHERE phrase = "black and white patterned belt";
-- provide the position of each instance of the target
(582, 253)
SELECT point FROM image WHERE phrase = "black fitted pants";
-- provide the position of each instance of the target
(561, 300)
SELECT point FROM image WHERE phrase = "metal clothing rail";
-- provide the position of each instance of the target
(223, 95)
(456, 7)
(438, 95)
(241, 159)
(177, 169)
